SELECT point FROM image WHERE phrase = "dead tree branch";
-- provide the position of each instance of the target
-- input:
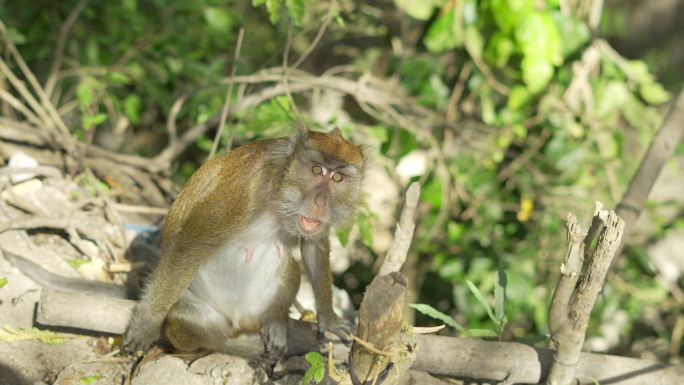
(576, 294)
(447, 356)
(659, 151)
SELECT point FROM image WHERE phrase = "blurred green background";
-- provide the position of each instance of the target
(510, 114)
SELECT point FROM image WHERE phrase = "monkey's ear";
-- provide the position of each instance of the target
(336, 133)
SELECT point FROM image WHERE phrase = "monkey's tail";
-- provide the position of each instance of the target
(58, 282)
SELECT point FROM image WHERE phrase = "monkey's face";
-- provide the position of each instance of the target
(322, 185)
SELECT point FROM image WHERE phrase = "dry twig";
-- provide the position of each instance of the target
(229, 96)
(576, 293)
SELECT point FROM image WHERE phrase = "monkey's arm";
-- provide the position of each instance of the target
(316, 258)
(206, 213)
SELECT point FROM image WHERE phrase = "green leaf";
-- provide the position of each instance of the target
(84, 93)
(307, 377)
(444, 34)
(90, 121)
(610, 98)
(432, 192)
(421, 10)
(500, 296)
(319, 373)
(482, 300)
(76, 262)
(488, 108)
(455, 231)
(575, 33)
(538, 36)
(438, 315)
(343, 235)
(653, 93)
(295, 9)
(474, 42)
(273, 7)
(204, 143)
(90, 379)
(119, 77)
(518, 98)
(3, 281)
(132, 106)
(499, 50)
(218, 19)
(314, 358)
(537, 73)
(366, 230)
(509, 13)
(480, 333)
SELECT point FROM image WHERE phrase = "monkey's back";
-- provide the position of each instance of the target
(221, 196)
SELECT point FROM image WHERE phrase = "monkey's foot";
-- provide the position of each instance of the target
(274, 336)
(142, 331)
(340, 327)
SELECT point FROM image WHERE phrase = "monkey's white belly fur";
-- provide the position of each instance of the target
(241, 280)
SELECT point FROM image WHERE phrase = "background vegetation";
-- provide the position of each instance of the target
(510, 113)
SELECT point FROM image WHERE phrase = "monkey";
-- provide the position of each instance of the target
(227, 264)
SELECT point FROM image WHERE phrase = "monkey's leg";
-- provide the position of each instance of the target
(192, 324)
(274, 331)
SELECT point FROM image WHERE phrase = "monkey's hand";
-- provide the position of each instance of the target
(143, 329)
(335, 325)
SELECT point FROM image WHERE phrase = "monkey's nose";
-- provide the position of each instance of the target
(320, 199)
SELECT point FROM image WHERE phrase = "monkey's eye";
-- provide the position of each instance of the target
(337, 177)
(317, 170)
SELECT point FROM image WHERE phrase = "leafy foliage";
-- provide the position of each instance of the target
(531, 116)
(316, 371)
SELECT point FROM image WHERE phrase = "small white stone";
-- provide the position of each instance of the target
(413, 164)
(21, 160)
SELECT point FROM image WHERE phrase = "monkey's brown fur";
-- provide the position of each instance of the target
(226, 265)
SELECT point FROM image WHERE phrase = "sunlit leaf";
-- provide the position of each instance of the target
(10, 334)
(575, 33)
(538, 37)
(518, 97)
(90, 379)
(438, 315)
(314, 358)
(444, 34)
(421, 10)
(3, 281)
(653, 93)
(319, 373)
(537, 73)
(509, 13)
(474, 41)
(499, 50)
(218, 18)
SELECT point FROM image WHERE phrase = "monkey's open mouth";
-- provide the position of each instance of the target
(309, 225)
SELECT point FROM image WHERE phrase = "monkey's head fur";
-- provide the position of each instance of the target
(321, 187)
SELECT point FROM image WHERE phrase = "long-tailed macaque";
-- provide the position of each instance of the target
(226, 262)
